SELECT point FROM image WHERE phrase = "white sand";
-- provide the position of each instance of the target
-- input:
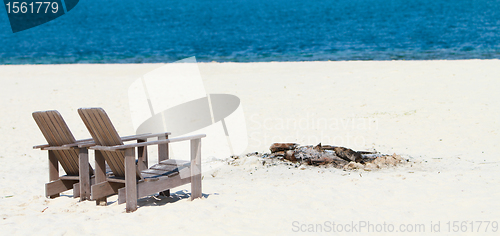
(444, 115)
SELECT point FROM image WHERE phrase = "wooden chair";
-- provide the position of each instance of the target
(63, 149)
(70, 153)
(130, 180)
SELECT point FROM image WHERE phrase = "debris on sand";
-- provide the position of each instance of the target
(280, 147)
(328, 155)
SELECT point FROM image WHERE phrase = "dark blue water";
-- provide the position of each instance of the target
(126, 31)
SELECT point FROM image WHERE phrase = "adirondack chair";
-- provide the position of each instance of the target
(70, 153)
(130, 180)
(63, 149)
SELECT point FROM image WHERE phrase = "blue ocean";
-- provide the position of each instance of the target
(150, 31)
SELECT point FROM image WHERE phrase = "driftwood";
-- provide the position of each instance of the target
(319, 154)
(348, 154)
(277, 147)
(340, 157)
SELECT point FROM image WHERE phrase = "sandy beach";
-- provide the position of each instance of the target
(440, 115)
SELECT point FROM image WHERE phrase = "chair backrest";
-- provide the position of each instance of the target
(57, 133)
(104, 134)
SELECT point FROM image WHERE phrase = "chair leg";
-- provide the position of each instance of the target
(195, 169)
(163, 155)
(130, 180)
(53, 171)
(83, 157)
(100, 175)
(196, 187)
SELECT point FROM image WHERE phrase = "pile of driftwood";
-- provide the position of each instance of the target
(340, 157)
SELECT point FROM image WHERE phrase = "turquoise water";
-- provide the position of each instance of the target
(128, 31)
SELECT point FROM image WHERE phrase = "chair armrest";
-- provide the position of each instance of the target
(57, 148)
(84, 140)
(133, 145)
(124, 138)
(143, 136)
(41, 146)
(76, 143)
(90, 142)
(81, 145)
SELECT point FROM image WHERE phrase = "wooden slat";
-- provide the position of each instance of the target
(105, 133)
(41, 146)
(58, 186)
(72, 157)
(104, 189)
(144, 136)
(114, 163)
(48, 130)
(84, 140)
(148, 188)
(62, 128)
(101, 135)
(164, 168)
(89, 142)
(80, 144)
(37, 116)
(148, 177)
(95, 129)
(153, 172)
(157, 173)
(62, 135)
(110, 136)
(116, 180)
(108, 131)
(86, 120)
(175, 162)
(69, 177)
(57, 133)
(57, 148)
(119, 160)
